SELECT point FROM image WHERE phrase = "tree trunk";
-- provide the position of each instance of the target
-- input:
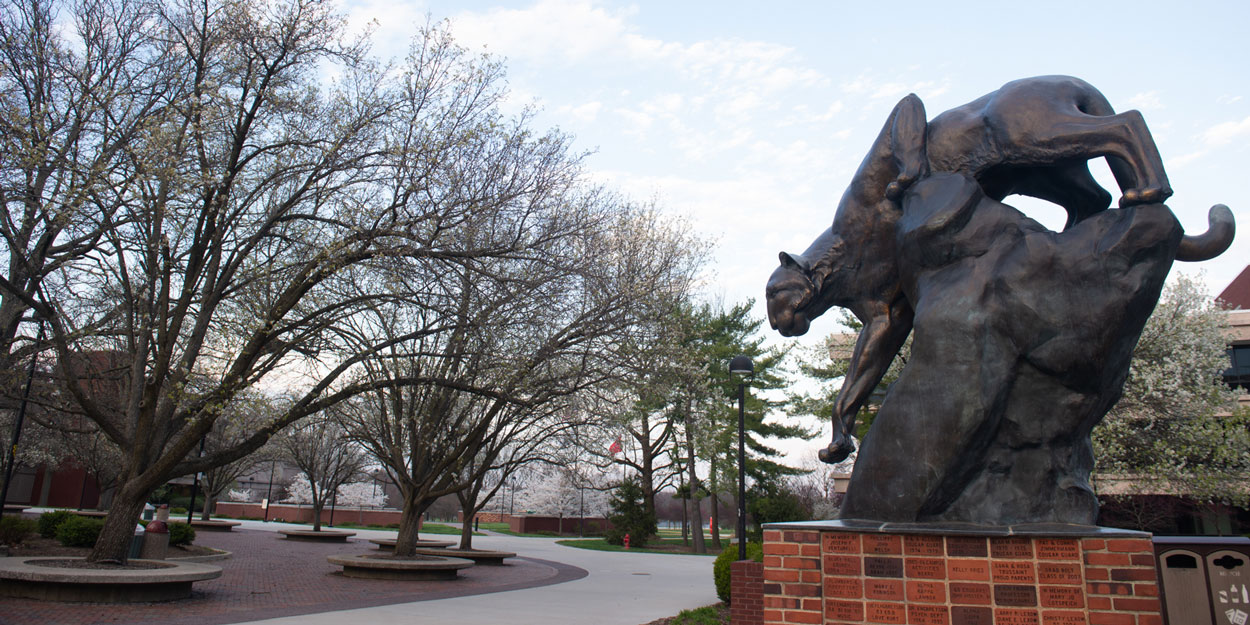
(696, 526)
(318, 506)
(409, 529)
(715, 500)
(113, 545)
(210, 501)
(466, 530)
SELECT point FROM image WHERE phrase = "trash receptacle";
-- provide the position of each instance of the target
(1204, 580)
(136, 543)
(148, 511)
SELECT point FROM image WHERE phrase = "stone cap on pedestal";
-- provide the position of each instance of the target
(960, 529)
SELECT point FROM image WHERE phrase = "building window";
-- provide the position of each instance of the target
(1238, 375)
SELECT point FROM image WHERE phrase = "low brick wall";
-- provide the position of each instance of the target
(834, 574)
(746, 593)
(304, 514)
(535, 523)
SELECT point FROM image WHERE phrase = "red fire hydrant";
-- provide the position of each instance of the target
(627, 541)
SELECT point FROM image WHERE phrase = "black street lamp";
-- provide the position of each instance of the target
(742, 366)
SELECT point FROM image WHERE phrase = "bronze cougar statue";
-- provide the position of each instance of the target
(1031, 137)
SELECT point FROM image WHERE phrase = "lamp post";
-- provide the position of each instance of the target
(742, 366)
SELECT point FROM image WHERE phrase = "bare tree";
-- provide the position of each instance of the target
(515, 340)
(182, 192)
(327, 458)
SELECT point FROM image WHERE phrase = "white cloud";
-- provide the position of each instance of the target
(1225, 133)
(1146, 101)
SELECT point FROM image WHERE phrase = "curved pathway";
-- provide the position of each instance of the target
(274, 581)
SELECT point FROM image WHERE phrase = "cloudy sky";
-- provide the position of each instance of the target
(748, 118)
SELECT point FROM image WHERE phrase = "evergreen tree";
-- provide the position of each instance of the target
(630, 516)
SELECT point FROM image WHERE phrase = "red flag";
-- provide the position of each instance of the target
(616, 447)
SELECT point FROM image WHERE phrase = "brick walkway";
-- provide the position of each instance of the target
(269, 577)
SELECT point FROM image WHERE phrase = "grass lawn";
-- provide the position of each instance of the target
(664, 545)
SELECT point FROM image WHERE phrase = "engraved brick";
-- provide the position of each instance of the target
(925, 568)
(843, 565)
(923, 546)
(883, 567)
(1060, 617)
(1069, 597)
(1015, 595)
(844, 587)
(968, 570)
(1011, 548)
(966, 547)
(882, 544)
(844, 610)
(970, 593)
(836, 542)
(919, 614)
(965, 615)
(926, 592)
(1058, 549)
(888, 613)
(1013, 616)
(1060, 573)
(1009, 572)
(883, 589)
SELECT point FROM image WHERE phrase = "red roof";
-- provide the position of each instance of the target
(1237, 293)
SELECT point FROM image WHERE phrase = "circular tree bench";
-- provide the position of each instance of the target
(478, 556)
(214, 525)
(388, 544)
(326, 536)
(381, 566)
(36, 578)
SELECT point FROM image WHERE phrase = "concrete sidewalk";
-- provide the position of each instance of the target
(620, 589)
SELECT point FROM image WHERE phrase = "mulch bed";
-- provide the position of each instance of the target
(269, 577)
(68, 563)
(38, 546)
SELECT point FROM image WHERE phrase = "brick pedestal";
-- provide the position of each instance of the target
(746, 593)
(836, 573)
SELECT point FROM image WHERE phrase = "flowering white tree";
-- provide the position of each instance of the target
(240, 495)
(361, 495)
(562, 492)
(1172, 432)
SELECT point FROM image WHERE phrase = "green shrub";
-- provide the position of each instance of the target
(180, 534)
(50, 521)
(630, 516)
(14, 530)
(79, 531)
(177, 511)
(720, 569)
